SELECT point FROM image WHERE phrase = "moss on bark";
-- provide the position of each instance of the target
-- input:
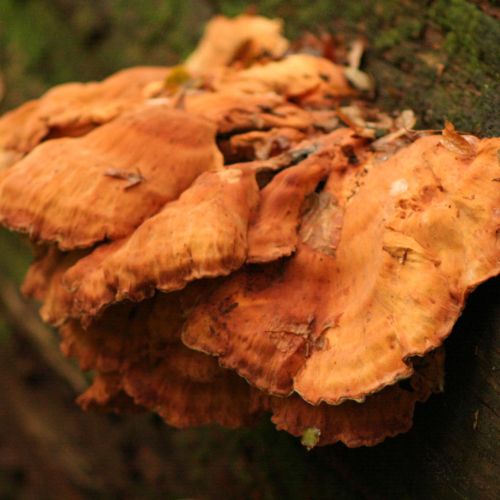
(438, 57)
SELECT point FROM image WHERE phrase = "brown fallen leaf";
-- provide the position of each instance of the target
(455, 142)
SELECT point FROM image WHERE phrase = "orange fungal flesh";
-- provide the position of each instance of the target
(226, 239)
(75, 191)
(71, 110)
(336, 327)
(142, 363)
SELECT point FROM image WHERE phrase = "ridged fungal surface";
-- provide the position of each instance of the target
(244, 235)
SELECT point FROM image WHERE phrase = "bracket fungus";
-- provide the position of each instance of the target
(241, 40)
(417, 235)
(72, 110)
(226, 239)
(75, 195)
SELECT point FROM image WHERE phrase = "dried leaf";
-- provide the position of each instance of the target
(360, 130)
(176, 78)
(393, 141)
(406, 119)
(360, 80)
(455, 142)
(310, 437)
(356, 53)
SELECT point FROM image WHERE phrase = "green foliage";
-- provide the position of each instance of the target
(470, 34)
(46, 42)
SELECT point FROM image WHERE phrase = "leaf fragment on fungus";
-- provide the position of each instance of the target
(455, 142)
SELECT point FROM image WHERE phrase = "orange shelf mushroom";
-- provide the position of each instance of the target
(226, 239)
(72, 110)
(241, 40)
(416, 236)
(165, 252)
(137, 352)
(80, 190)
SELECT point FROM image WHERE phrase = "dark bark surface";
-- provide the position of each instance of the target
(438, 57)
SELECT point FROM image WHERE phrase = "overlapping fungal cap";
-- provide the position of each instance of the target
(44, 282)
(12, 138)
(137, 351)
(226, 239)
(295, 77)
(295, 91)
(417, 234)
(230, 223)
(72, 110)
(202, 234)
(107, 394)
(239, 102)
(80, 191)
(240, 40)
(141, 362)
(225, 399)
(234, 111)
(384, 414)
(273, 232)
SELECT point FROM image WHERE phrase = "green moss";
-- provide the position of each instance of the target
(387, 39)
(46, 42)
(441, 57)
(406, 30)
(471, 36)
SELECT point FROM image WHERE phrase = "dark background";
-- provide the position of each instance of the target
(442, 59)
